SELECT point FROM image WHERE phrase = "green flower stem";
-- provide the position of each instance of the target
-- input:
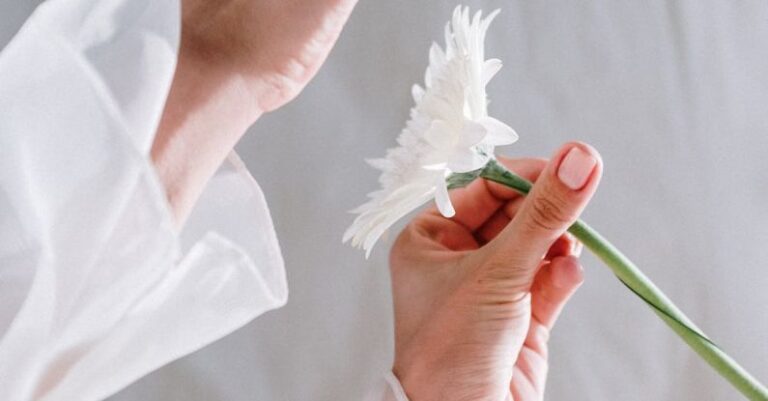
(643, 287)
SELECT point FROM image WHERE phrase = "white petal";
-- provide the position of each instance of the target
(476, 18)
(436, 164)
(350, 232)
(383, 164)
(438, 134)
(383, 221)
(498, 133)
(490, 68)
(466, 161)
(448, 131)
(417, 92)
(436, 55)
(472, 133)
(487, 21)
(450, 51)
(443, 200)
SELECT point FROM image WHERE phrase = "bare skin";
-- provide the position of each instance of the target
(474, 297)
(238, 59)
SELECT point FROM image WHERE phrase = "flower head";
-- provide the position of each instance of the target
(449, 131)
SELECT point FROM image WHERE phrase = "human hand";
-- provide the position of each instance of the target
(272, 47)
(477, 295)
(237, 60)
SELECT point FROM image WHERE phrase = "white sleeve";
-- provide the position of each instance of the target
(96, 287)
(388, 389)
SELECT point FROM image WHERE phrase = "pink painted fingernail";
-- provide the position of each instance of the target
(576, 168)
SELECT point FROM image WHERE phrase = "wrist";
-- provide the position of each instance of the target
(206, 114)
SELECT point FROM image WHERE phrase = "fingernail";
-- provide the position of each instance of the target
(576, 168)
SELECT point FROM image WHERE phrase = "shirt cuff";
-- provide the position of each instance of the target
(388, 389)
(111, 290)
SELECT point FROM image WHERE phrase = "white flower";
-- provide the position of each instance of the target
(449, 132)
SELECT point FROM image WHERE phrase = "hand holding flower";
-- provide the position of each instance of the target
(447, 144)
(477, 295)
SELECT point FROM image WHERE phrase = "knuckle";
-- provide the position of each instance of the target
(279, 90)
(548, 212)
(503, 277)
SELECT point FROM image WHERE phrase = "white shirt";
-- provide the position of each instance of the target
(96, 287)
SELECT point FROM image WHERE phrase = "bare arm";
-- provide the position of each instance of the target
(238, 59)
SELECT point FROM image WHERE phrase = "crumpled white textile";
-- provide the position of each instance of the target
(97, 289)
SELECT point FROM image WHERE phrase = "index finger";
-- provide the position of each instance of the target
(529, 168)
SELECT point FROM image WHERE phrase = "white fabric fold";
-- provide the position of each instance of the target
(96, 287)
(387, 389)
(84, 224)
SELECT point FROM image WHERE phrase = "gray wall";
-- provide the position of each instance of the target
(674, 96)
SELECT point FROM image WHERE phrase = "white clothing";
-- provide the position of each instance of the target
(96, 287)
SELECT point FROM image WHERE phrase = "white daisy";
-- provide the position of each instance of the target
(449, 132)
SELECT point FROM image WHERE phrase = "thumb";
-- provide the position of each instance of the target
(557, 199)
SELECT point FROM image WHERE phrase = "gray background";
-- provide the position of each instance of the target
(673, 94)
